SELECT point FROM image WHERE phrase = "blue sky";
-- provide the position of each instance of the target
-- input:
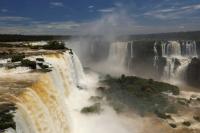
(98, 16)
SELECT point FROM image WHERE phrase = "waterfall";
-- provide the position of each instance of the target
(78, 69)
(190, 48)
(171, 48)
(178, 55)
(41, 105)
(155, 56)
(117, 53)
(52, 102)
(163, 46)
(131, 55)
(116, 60)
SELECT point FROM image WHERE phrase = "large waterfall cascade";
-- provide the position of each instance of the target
(51, 102)
(178, 55)
(42, 106)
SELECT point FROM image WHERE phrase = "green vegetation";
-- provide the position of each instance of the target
(54, 45)
(162, 115)
(18, 38)
(51, 45)
(95, 98)
(186, 123)
(40, 59)
(140, 86)
(43, 66)
(197, 118)
(173, 125)
(28, 63)
(6, 117)
(145, 95)
(183, 101)
(95, 108)
(17, 57)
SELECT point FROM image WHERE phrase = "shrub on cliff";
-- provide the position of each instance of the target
(28, 63)
(40, 59)
(95, 108)
(6, 116)
(54, 45)
(43, 66)
(17, 57)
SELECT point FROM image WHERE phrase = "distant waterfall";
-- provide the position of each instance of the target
(172, 48)
(190, 48)
(178, 55)
(131, 56)
(175, 48)
(117, 53)
(132, 50)
(116, 60)
(155, 56)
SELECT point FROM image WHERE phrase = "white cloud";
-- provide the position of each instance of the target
(118, 4)
(57, 4)
(4, 10)
(59, 25)
(91, 6)
(111, 23)
(173, 13)
(106, 10)
(191, 7)
(181, 27)
(37, 27)
(13, 18)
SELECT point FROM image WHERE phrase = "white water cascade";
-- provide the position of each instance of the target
(117, 57)
(52, 101)
(117, 53)
(131, 55)
(42, 106)
(132, 50)
(155, 56)
(178, 55)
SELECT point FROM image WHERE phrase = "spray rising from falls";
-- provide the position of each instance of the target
(178, 55)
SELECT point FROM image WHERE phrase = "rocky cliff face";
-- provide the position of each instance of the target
(142, 61)
(193, 72)
(198, 48)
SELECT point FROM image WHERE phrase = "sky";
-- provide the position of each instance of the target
(63, 17)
